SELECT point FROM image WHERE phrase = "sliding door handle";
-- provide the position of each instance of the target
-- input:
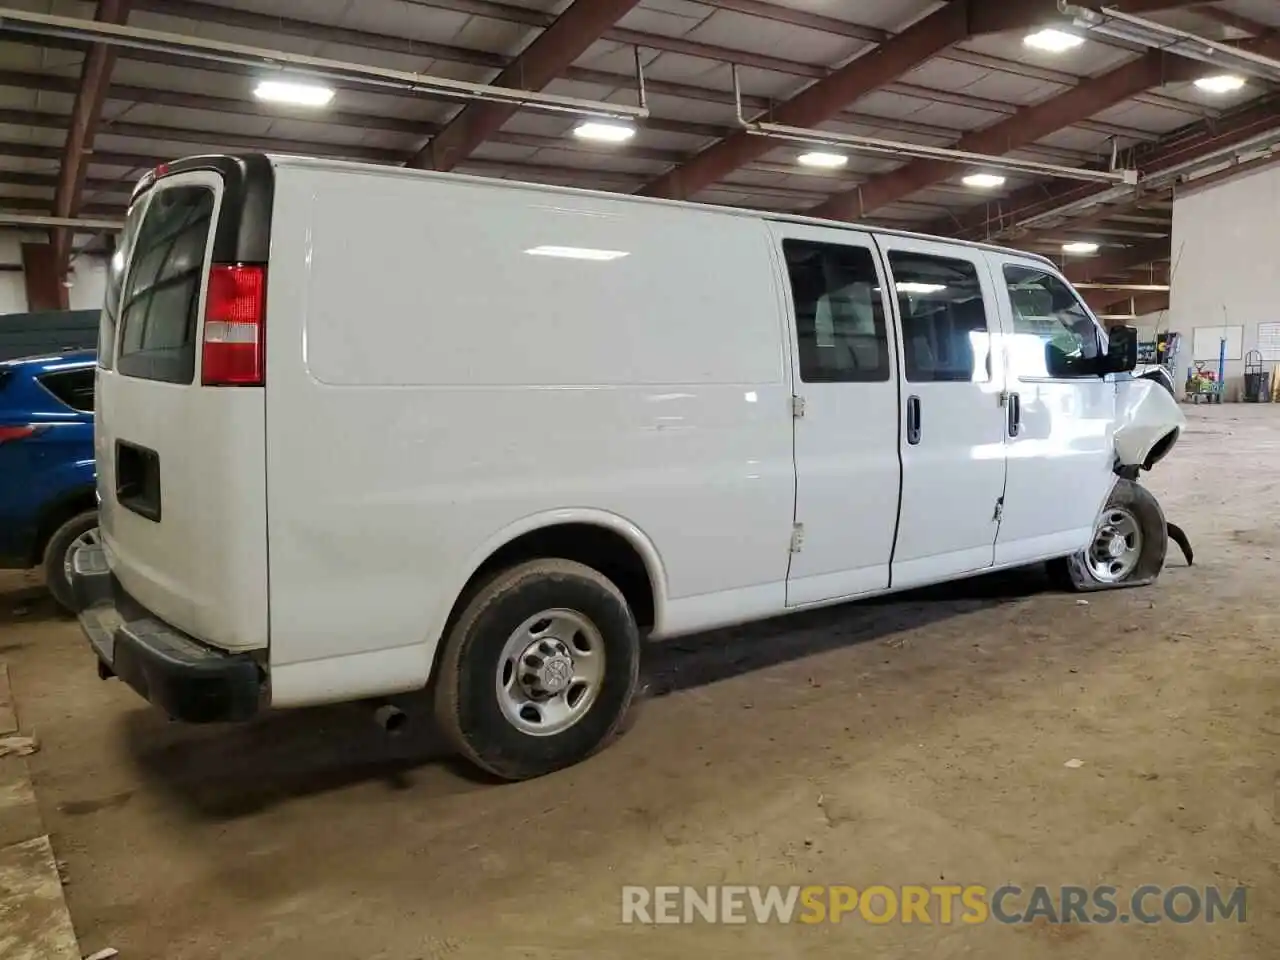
(913, 420)
(1014, 407)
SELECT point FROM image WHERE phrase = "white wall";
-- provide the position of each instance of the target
(88, 277)
(1225, 241)
(1150, 324)
(89, 283)
(13, 295)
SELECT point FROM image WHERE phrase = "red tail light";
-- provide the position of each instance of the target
(15, 433)
(235, 327)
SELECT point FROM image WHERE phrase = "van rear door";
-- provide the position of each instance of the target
(181, 417)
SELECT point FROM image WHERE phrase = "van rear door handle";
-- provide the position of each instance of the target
(913, 420)
(1014, 406)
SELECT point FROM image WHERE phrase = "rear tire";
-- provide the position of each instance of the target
(1127, 549)
(76, 532)
(539, 671)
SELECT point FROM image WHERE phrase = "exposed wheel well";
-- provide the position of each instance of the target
(1162, 446)
(596, 547)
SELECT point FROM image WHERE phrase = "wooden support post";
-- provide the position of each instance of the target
(43, 278)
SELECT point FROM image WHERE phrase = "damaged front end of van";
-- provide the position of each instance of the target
(1131, 537)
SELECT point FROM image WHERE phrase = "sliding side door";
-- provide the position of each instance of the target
(846, 414)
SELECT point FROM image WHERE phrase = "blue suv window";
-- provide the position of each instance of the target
(74, 388)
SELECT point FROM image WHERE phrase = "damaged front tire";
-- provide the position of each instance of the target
(1128, 546)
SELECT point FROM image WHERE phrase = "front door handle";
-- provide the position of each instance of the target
(913, 420)
(1014, 407)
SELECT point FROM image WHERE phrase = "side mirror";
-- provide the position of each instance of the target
(1121, 356)
(1122, 350)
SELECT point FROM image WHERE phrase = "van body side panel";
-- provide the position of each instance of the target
(447, 358)
(1145, 415)
(199, 561)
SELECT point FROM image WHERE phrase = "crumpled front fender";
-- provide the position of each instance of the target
(1148, 423)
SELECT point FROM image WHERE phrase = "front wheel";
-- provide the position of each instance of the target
(539, 670)
(1128, 546)
(80, 531)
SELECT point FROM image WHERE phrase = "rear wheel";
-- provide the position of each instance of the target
(80, 531)
(1128, 546)
(540, 669)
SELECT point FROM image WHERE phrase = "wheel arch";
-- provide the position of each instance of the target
(1148, 423)
(1160, 448)
(615, 546)
(58, 511)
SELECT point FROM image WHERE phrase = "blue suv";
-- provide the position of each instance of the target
(48, 500)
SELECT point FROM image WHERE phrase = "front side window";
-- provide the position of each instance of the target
(1046, 315)
(840, 327)
(161, 299)
(944, 318)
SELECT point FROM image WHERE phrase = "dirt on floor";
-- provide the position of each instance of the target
(991, 733)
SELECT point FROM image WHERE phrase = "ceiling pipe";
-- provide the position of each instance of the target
(1129, 287)
(1117, 25)
(280, 61)
(1176, 174)
(9, 219)
(811, 136)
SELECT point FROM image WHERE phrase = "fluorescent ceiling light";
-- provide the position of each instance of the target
(604, 132)
(911, 286)
(984, 181)
(298, 94)
(1220, 83)
(1052, 41)
(827, 161)
(1080, 247)
(575, 253)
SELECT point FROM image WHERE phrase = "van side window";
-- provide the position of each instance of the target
(944, 319)
(160, 303)
(840, 325)
(1046, 311)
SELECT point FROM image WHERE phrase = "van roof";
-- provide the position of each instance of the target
(293, 160)
(247, 163)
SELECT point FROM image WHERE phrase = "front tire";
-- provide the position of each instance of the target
(80, 530)
(539, 671)
(1128, 546)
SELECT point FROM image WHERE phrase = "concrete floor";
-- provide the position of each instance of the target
(894, 743)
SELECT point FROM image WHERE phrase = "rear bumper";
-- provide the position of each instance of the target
(186, 679)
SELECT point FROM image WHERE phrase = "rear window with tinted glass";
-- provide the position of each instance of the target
(109, 321)
(158, 311)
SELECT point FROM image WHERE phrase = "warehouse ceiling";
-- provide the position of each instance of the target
(80, 122)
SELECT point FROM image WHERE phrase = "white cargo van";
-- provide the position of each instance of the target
(364, 430)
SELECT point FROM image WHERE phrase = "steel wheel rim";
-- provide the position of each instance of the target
(550, 672)
(1116, 547)
(90, 538)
